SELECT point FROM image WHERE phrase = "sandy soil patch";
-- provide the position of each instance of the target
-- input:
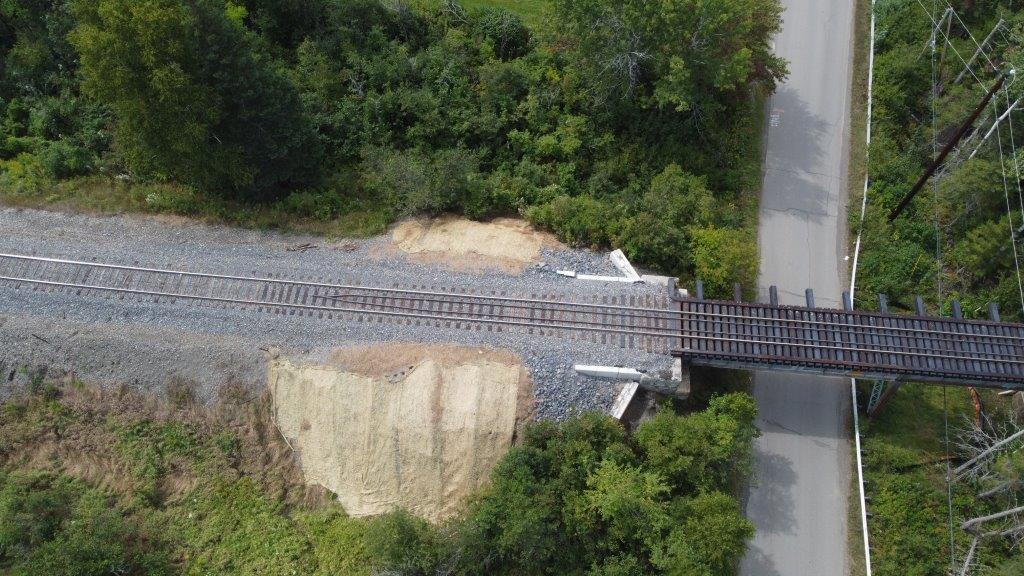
(504, 243)
(401, 425)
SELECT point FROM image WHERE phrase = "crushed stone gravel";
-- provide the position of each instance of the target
(132, 341)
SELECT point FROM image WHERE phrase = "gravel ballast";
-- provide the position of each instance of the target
(132, 341)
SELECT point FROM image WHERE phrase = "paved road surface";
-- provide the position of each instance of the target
(799, 497)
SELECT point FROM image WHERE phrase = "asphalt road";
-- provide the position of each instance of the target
(798, 499)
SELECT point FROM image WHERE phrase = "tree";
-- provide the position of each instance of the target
(628, 501)
(195, 99)
(709, 537)
(659, 233)
(674, 54)
(701, 452)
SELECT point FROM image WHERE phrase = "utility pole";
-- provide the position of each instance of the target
(948, 147)
(980, 49)
(994, 448)
(947, 19)
(968, 525)
(1001, 117)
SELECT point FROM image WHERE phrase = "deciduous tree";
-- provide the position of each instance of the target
(194, 97)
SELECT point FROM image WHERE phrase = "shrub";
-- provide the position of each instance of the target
(705, 451)
(55, 525)
(659, 234)
(577, 220)
(401, 543)
(22, 175)
(722, 256)
(316, 204)
(415, 182)
(62, 159)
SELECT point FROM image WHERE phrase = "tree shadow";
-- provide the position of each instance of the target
(756, 562)
(774, 505)
(802, 191)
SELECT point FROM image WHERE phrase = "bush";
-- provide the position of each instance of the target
(62, 159)
(54, 525)
(505, 30)
(580, 496)
(414, 182)
(23, 175)
(659, 234)
(316, 204)
(400, 543)
(577, 220)
(704, 452)
(722, 256)
(576, 497)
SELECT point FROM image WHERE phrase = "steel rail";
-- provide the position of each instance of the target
(956, 338)
(667, 332)
(666, 314)
(663, 313)
(857, 329)
(479, 320)
(824, 348)
(271, 304)
(786, 340)
(847, 367)
(574, 324)
(548, 305)
(323, 284)
(855, 314)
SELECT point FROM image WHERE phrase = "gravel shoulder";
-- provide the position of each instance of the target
(131, 341)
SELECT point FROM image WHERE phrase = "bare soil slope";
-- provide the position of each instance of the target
(504, 243)
(414, 426)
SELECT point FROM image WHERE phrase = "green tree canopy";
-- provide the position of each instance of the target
(195, 99)
(678, 54)
(583, 499)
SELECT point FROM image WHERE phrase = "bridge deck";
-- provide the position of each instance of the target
(852, 343)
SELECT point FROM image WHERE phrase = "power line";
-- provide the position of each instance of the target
(938, 246)
(946, 149)
(1009, 214)
(1020, 199)
(955, 51)
(1016, 160)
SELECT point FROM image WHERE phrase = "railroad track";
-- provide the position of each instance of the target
(632, 322)
(715, 333)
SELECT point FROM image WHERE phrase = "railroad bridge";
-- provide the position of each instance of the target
(730, 334)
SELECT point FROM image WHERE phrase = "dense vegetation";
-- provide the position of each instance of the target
(905, 471)
(98, 483)
(632, 124)
(967, 223)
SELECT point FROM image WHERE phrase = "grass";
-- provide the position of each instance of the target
(750, 196)
(858, 117)
(857, 169)
(330, 213)
(903, 449)
(215, 490)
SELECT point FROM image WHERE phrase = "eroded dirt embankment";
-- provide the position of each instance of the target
(459, 244)
(405, 425)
